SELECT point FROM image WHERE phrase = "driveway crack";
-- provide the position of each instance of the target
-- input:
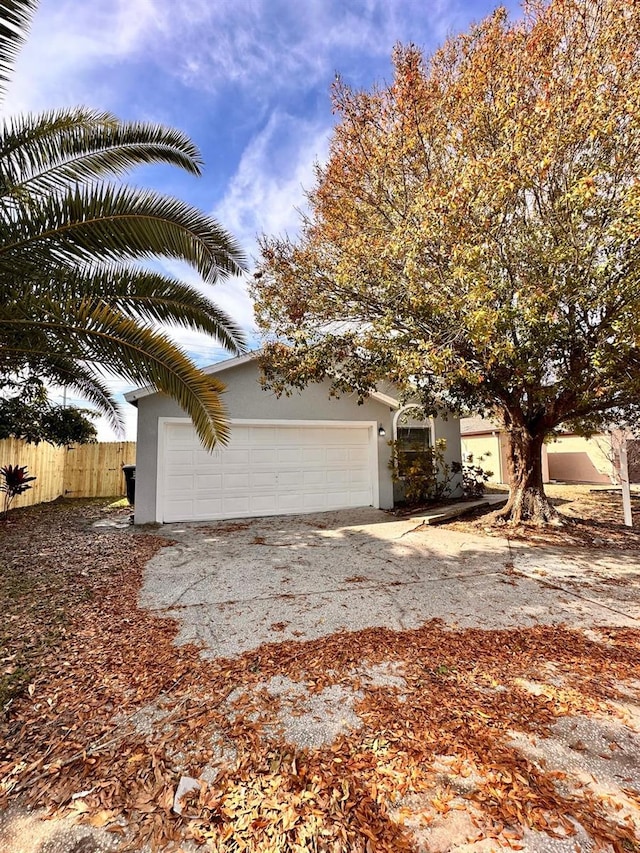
(383, 585)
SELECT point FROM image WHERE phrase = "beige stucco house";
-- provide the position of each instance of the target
(568, 458)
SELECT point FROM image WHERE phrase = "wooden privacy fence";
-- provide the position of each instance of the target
(81, 471)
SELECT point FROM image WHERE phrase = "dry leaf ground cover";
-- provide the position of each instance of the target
(593, 517)
(514, 731)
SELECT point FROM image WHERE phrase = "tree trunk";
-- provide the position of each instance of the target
(527, 500)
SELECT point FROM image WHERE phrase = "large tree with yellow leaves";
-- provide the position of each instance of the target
(474, 235)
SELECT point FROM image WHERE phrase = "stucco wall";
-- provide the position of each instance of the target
(449, 429)
(574, 459)
(567, 458)
(487, 453)
(245, 398)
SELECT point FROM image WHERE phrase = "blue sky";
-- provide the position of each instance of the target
(248, 80)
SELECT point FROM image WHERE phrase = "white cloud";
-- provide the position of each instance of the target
(70, 41)
(276, 44)
(261, 46)
(268, 188)
(266, 195)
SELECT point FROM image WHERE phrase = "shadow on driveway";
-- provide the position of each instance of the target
(232, 586)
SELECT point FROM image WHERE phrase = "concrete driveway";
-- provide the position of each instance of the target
(235, 585)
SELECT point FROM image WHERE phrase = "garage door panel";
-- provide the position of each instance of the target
(262, 456)
(337, 498)
(207, 495)
(337, 455)
(205, 457)
(235, 456)
(290, 478)
(181, 509)
(180, 459)
(341, 437)
(262, 435)
(314, 500)
(263, 504)
(264, 479)
(233, 481)
(179, 482)
(208, 507)
(237, 505)
(311, 436)
(212, 469)
(312, 478)
(266, 470)
(180, 439)
(202, 482)
(290, 456)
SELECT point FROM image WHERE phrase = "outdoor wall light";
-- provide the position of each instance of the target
(382, 431)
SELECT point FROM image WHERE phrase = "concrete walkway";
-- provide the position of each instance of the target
(454, 510)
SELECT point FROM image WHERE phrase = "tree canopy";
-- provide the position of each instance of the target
(27, 413)
(474, 235)
(78, 300)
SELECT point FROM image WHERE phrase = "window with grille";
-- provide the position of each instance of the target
(413, 444)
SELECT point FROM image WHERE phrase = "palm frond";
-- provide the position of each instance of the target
(15, 19)
(67, 373)
(59, 149)
(76, 306)
(112, 224)
(153, 298)
(38, 352)
(119, 346)
(77, 376)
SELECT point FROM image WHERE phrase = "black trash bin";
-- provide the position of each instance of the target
(129, 472)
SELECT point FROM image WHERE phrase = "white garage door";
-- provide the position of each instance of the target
(266, 469)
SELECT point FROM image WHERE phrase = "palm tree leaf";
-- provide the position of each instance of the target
(154, 298)
(79, 377)
(59, 149)
(112, 224)
(35, 351)
(75, 304)
(15, 18)
(114, 345)
(133, 291)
